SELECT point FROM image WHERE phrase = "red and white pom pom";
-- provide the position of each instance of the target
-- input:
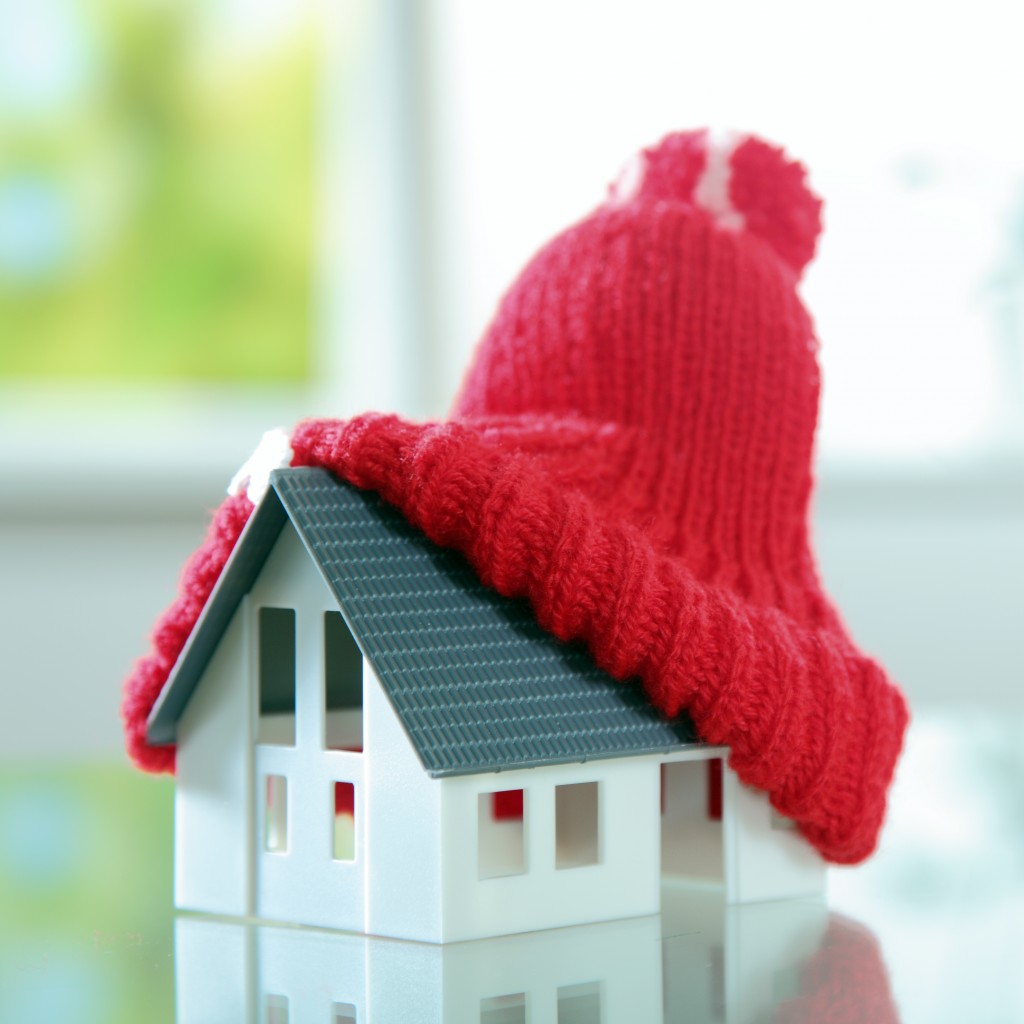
(744, 183)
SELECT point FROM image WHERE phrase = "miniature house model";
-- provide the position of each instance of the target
(371, 740)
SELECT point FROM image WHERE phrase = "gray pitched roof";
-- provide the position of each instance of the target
(477, 684)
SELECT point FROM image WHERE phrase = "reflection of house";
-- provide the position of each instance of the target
(700, 961)
(228, 971)
(369, 739)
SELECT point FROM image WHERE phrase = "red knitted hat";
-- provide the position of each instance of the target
(631, 451)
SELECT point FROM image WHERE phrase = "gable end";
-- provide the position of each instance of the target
(255, 543)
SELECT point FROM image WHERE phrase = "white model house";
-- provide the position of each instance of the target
(371, 740)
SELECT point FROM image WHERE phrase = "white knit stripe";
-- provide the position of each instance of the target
(712, 191)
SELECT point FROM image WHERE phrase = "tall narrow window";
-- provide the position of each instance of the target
(275, 815)
(344, 801)
(691, 820)
(577, 825)
(501, 841)
(343, 686)
(276, 666)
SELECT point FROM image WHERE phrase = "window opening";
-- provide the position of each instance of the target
(691, 820)
(344, 821)
(276, 667)
(343, 686)
(501, 845)
(577, 825)
(580, 1004)
(275, 815)
(510, 1009)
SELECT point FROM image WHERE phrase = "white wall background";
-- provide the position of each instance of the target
(472, 132)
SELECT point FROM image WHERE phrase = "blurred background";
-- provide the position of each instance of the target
(220, 216)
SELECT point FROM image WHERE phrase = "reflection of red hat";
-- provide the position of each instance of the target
(631, 451)
(845, 981)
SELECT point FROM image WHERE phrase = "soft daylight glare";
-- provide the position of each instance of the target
(47, 57)
(919, 273)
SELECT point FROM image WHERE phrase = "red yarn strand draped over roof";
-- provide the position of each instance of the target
(807, 717)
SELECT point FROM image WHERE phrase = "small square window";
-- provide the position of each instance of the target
(577, 825)
(275, 814)
(344, 821)
(501, 839)
(510, 1009)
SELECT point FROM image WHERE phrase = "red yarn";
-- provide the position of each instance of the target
(173, 629)
(776, 205)
(671, 169)
(631, 452)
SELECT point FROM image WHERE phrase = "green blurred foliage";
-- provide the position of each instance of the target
(86, 869)
(159, 223)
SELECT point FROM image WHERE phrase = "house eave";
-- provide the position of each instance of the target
(696, 750)
(258, 537)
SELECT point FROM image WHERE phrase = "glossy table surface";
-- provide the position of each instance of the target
(931, 929)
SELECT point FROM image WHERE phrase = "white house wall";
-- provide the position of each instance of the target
(624, 883)
(415, 873)
(403, 827)
(304, 883)
(213, 796)
(765, 857)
